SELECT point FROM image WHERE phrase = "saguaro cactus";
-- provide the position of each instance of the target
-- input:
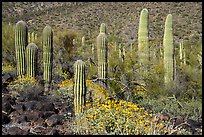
(32, 37)
(102, 53)
(79, 86)
(143, 38)
(168, 52)
(83, 41)
(47, 42)
(121, 52)
(21, 41)
(31, 59)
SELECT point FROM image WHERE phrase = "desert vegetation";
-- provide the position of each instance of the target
(78, 68)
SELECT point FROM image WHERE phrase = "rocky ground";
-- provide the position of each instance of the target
(36, 115)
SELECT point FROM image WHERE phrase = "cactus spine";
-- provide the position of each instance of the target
(47, 42)
(143, 40)
(102, 53)
(79, 86)
(168, 52)
(31, 59)
(21, 41)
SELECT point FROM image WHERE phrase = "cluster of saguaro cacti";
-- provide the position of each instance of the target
(31, 59)
(21, 41)
(143, 38)
(32, 37)
(47, 42)
(79, 86)
(102, 53)
(168, 52)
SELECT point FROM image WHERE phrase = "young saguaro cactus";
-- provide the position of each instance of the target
(168, 51)
(102, 54)
(83, 41)
(21, 41)
(79, 86)
(143, 38)
(47, 42)
(31, 59)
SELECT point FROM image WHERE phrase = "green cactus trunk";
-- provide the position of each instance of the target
(102, 53)
(47, 42)
(31, 59)
(21, 41)
(79, 86)
(143, 39)
(168, 52)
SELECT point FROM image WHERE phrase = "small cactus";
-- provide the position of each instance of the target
(102, 53)
(21, 41)
(47, 42)
(168, 51)
(83, 41)
(79, 86)
(121, 52)
(31, 59)
(32, 37)
(143, 38)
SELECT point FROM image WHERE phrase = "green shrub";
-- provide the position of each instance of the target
(8, 43)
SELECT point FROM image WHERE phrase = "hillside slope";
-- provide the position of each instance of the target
(122, 18)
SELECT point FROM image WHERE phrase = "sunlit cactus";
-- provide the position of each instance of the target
(143, 38)
(79, 86)
(47, 42)
(83, 41)
(21, 41)
(102, 53)
(103, 28)
(32, 37)
(31, 59)
(168, 52)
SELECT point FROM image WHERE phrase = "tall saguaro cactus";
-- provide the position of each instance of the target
(79, 86)
(21, 41)
(31, 59)
(168, 52)
(143, 38)
(47, 42)
(102, 53)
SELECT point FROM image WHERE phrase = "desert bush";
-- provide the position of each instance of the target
(8, 43)
(26, 87)
(118, 117)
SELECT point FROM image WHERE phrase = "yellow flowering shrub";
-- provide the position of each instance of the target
(21, 83)
(7, 67)
(118, 117)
